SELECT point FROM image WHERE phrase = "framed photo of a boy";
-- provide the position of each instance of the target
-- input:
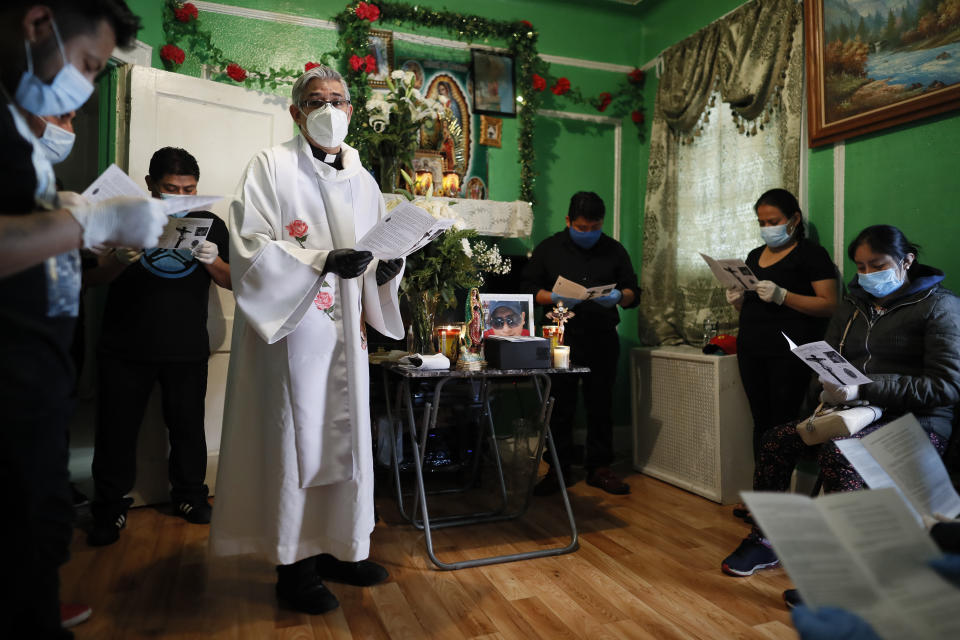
(507, 314)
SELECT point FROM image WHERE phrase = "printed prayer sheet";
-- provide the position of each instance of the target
(732, 273)
(184, 233)
(827, 363)
(114, 182)
(570, 289)
(862, 551)
(402, 231)
(900, 455)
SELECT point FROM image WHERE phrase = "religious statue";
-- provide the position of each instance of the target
(471, 353)
(560, 314)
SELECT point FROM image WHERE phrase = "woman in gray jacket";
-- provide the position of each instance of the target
(900, 327)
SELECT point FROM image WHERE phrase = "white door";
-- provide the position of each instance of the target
(223, 127)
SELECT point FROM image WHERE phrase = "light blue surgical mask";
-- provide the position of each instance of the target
(57, 142)
(585, 239)
(174, 196)
(68, 91)
(776, 236)
(880, 284)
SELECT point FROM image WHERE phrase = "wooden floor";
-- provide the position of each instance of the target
(648, 567)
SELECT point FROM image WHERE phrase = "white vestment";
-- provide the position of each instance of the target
(295, 474)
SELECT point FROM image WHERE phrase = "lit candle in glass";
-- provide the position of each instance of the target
(561, 357)
(448, 341)
(552, 333)
(423, 182)
(451, 184)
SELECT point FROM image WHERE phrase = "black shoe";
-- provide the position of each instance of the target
(791, 598)
(359, 574)
(604, 478)
(550, 485)
(106, 532)
(196, 512)
(307, 595)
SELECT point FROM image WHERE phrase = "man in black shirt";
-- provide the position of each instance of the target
(50, 53)
(155, 330)
(582, 254)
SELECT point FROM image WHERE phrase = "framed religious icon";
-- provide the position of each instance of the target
(873, 64)
(493, 84)
(507, 314)
(491, 129)
(475, 189)
(414, 67)
(432, 162)
(381, 48)
(449, 133)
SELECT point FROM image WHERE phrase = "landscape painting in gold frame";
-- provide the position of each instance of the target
(873, 64)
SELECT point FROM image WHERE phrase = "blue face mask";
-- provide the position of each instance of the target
(585, 239)
(57, 142)
(880, 283)
(174, 196)
(68, 91)
(776, 236)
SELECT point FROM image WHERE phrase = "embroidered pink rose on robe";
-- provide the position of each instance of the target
(298, 231)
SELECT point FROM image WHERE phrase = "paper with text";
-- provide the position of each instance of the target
(900, 454)
(188, 203)
(112, 183)
(184, 233)
(732, 273)
(570, 289)
(864, 552)
(402, 231)
(827, 362)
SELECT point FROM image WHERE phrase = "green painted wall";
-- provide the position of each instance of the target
(903, 176)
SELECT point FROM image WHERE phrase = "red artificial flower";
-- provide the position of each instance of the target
(172, 53)
(637, 117)
(236, 72)
(356, 62)
(323, 301)
(371, 64)
(539, 83)
(562, 86)
(186, 12)
(636, 76)
(605, 100)
(311, 65)
(526, 24)
(367, 11)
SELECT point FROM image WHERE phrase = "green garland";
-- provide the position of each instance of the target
(181, 24)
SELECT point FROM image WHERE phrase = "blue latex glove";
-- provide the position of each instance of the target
(830, 623)
(948, 567)
(609, 300)
(569, 303)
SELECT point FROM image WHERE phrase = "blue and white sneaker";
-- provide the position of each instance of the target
(753, 554)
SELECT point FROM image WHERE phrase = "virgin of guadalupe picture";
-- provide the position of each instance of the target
(471, 355)
(450, 133)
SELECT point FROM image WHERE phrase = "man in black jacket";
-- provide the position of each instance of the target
(582, 254)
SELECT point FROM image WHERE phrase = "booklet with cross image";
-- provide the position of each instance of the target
(570, 289)
(827, 362)
(732, 273)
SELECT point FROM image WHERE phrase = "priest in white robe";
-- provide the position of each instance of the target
(295, 480)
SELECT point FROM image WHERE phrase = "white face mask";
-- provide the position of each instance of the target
(57, 142)
(327, 126)
(67, 92)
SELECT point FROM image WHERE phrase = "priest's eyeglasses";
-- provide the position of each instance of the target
(513, 320)
(316, 104)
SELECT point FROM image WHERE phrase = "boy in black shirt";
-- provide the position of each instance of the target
(582, 253)
(155, 330)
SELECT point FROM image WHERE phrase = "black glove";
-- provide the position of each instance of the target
(387, 271)
(347, 263)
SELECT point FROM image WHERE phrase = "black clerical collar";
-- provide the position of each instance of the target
(334, 160)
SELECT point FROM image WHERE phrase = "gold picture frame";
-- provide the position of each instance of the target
(491, 131)
(381, 48)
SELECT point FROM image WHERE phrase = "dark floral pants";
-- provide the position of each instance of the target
(781, 448)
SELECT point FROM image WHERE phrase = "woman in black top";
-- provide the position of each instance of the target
(796, 295)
